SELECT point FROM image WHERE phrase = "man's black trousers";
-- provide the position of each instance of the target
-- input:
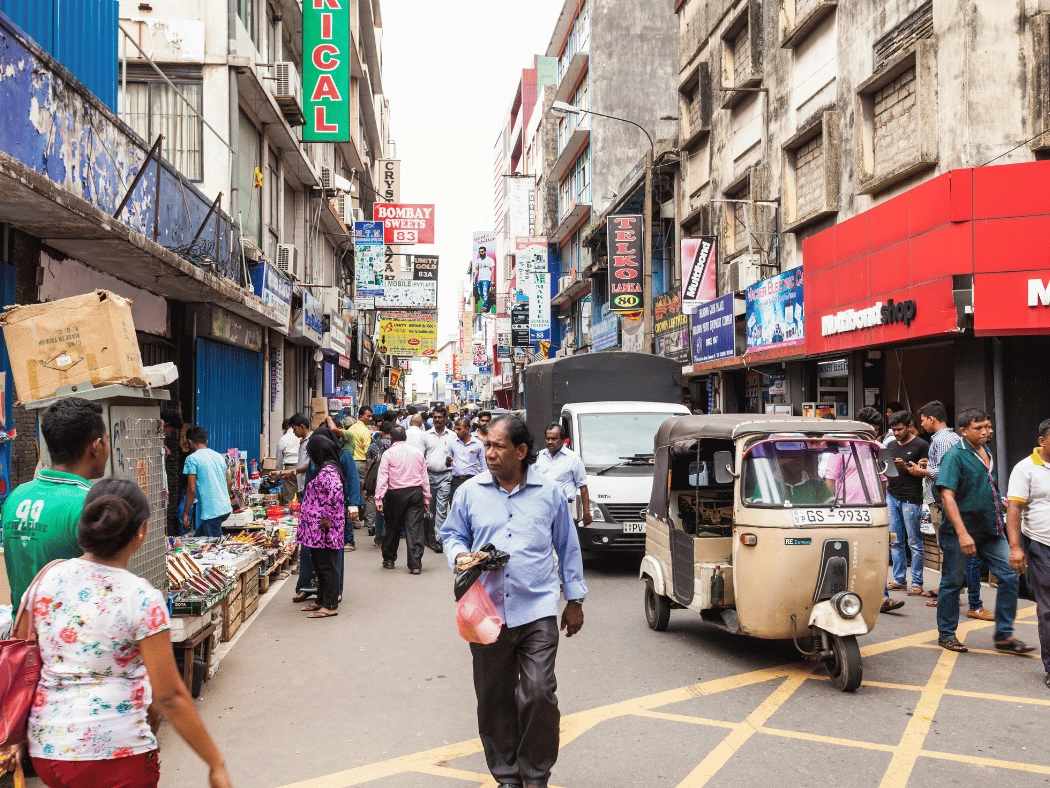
(518, 713)
(404, 508)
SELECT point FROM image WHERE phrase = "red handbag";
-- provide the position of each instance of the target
(19, 671)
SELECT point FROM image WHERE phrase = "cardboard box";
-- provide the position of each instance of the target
(318, 420)
(84, 339)
(320, 404)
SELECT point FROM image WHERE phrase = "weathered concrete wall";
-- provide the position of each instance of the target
(633, 75)
(982, 101)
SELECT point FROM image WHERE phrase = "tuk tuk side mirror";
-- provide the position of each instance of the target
(886, 466)
(724, 473)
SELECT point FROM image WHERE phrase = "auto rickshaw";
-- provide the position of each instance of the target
(774, 527)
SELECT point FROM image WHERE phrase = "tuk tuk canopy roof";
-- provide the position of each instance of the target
(680, 434)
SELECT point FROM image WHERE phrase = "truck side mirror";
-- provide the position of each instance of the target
(724, 473)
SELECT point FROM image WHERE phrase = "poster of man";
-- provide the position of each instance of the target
(483, 272)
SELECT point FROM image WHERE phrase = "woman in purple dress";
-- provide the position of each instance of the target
(321, 523)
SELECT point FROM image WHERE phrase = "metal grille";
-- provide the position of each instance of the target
(627, 512)
(138, 454)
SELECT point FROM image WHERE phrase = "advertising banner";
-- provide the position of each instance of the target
(605, 333)
(625, 263)
(633, 335)
(533, 279)
(425, 268)
(408, 294)
(775, 311)
(408, 334)
(478, 354)
(308, 320)
(519, 326)
(390, 180)
(483, 268)
(699, 271)
(404, 223)
(368, 256)
(712, 330)
(503, 347)
(326, 71)
(667, 313)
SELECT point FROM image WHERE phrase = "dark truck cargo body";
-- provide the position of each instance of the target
(597, 377)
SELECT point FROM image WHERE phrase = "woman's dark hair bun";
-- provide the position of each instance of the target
(113, 512)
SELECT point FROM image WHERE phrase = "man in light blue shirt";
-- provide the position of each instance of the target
(525, 514)
(208, 479)
(466, 456)
(565, 468)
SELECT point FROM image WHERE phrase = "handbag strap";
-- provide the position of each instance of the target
(30, 597)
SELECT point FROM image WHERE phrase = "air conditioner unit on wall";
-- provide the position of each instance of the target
(745, 271)
(288, 92)
(288, 260)
(344, 206)
(326, 177)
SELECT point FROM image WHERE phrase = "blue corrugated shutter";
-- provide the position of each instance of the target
(229, 396)
(80, 34)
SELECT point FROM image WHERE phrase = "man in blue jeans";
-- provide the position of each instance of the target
(207, 480)
(974, 526)
(904, 500)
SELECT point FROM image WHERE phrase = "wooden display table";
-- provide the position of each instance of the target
(188, 647)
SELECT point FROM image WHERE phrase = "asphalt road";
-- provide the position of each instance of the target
(382, 696)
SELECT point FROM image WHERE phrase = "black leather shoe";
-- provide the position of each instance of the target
(388, 564)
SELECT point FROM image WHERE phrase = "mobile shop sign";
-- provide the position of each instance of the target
(326, 70)
(425, 268)
(625, 263)
(712, 333)
(878, 315)
(408, 294)
(699, 271)
(405, 224)
(775, 311)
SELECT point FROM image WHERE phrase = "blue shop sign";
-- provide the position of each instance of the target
(308, 322)
(712, 330)
(274, 289)
(605, 333)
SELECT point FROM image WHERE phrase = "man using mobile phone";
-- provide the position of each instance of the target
(904, 500)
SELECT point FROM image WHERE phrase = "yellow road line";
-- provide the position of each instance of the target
(743, 731)
(978, 761)
(911, 744)
(991, 651)
(660, 715)
(863, 745)
(1003, 698)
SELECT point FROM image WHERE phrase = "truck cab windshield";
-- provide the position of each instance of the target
(614, 440)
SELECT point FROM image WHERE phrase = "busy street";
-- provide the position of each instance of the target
(546, 394)
(383, 697)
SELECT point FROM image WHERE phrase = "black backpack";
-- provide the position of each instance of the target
(372, 475)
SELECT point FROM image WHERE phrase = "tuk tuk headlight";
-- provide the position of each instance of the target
(847, 603)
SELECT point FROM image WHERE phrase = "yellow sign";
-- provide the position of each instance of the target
(408, 333)
(395, 378)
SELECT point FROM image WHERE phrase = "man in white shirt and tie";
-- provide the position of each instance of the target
(564, 467)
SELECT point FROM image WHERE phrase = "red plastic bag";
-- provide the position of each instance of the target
(476, 616)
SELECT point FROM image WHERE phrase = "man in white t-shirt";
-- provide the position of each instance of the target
(483, 269)
(1029, 514)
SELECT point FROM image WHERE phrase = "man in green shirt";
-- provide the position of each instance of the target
(40, 518)
(973, 525)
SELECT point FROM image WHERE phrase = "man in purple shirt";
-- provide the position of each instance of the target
(402, 495)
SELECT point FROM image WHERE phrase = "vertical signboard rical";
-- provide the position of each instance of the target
(326, 70)
(625, 264)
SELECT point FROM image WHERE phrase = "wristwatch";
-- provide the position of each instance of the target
(574, 601)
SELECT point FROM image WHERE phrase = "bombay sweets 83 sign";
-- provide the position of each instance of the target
(326, 70)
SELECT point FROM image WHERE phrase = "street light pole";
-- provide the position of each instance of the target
(561, 108)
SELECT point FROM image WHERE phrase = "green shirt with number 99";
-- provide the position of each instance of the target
(40, 521)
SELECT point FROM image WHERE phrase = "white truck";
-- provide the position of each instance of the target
(609, 406)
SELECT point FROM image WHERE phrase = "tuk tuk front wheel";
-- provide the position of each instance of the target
(657, 608)
(844, 666)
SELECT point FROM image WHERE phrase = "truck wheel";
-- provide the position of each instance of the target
(844, 667)
(657, 608)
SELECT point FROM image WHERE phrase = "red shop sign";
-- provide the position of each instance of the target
(405, 224)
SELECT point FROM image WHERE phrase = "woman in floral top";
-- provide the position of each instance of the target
(321, 523)
(106, 658)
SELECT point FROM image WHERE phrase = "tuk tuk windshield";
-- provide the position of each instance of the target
(812, 472)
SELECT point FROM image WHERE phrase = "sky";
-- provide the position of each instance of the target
(450, 70)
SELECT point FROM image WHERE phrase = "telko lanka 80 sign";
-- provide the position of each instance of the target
(326, 70)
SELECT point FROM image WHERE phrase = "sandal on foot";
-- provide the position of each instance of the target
(891, 604)
(915, 591)
(932, 594)
(302, 596)
(1014, 646)
(894, 586)
(310, 608)
(952, 645)
(327, 614)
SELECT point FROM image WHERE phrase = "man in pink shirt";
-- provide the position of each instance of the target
(402, 495)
